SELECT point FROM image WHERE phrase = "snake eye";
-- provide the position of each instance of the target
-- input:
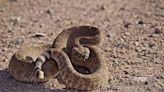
(79, 56)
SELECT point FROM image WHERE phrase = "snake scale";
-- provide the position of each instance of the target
(73, 48)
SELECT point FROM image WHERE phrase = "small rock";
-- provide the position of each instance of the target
(140, 22)
(122, 8)
(41, 25)
(4, 60)
(108, 35)
(19, 40)
(136, 43)
(120, 45)
(102, 7)
(3, 50)
(127, 34)
(9, 29)
(151, 35)
(126, 72)
(112, 34)
(39, 35)
(151, 45)
(157, 31)
(145, 82)
(105, 50)
(49, 12)
(140, 79)
(126, 24)
(16, 19)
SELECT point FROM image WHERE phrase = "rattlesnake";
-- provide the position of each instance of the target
(76, 46)
(22, 68)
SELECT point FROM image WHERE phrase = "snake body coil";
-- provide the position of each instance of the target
(76, 46)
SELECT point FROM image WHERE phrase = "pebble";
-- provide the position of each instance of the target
(140, 22)
(126, 72)
(39, 35)
(41, 25)
(19, 40)
(49, 12)
(127, 34)
(126, 24)
(151, 45)
(15, 19)
(157, 31)
(140, 79)
(136, 43)
(108, 35)
(3, 50)
(4, 60)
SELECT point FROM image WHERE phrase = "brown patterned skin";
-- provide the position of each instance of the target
(76, 42)
(22, 68)
(74, 79)
(73, 41)
(76, 46)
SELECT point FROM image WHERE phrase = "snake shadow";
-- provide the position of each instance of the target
(9, 84)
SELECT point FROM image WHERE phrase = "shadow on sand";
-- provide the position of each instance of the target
(8, 84)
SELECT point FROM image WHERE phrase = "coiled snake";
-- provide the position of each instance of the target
(73, 48)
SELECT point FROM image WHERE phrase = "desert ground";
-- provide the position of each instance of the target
(133, 39)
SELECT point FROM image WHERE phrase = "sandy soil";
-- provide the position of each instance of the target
(133, 46)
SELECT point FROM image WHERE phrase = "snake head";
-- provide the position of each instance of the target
(80, 54)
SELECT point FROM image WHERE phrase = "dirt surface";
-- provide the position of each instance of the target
(133, 41)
